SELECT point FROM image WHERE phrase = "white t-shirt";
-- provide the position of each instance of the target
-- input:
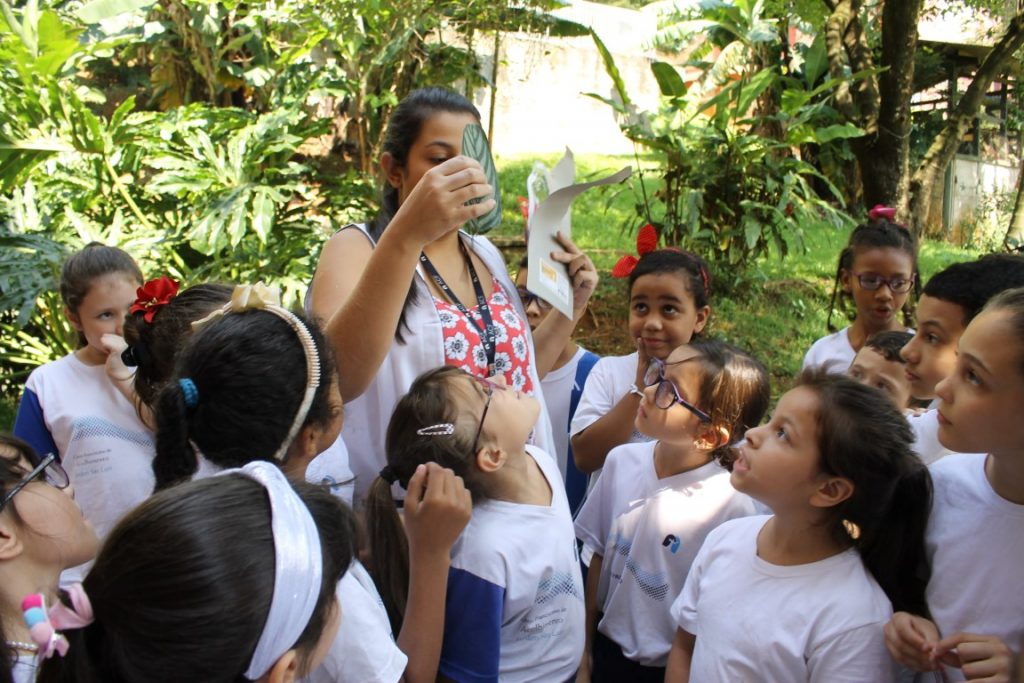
(834, 352)
(514, 610)
(364, 650)
(330, 468)
(975, 543)
(558, 385)
(649, 531)
(755, 621)
(74, 410)
(24, 668)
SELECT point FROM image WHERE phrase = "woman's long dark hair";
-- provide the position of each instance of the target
(403, 129)
(863, 437)
(182, 587)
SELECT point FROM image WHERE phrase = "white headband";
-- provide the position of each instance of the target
(261, 297)
(298, 567)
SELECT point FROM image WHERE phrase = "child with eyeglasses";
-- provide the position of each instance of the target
(669, 304)
(655, 502)
(563, 387)
(877, 271)
(514, 606)
(42, 533)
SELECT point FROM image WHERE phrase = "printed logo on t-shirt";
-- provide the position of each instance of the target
(672, 543)
(653, 584)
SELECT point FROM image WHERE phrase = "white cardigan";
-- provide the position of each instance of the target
(367, 417)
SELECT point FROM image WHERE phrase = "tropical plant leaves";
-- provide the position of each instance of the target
(474, 145)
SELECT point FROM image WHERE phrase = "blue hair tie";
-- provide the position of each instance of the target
(188, 387)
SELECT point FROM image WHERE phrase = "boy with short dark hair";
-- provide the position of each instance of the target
(880, 365)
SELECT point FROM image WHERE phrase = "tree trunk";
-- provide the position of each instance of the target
(1014, 240)
(943, 148)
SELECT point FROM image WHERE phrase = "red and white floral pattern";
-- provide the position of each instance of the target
(463, 345)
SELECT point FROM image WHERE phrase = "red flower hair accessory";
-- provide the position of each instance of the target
(646, 242)
(150, 297)
(879, 211)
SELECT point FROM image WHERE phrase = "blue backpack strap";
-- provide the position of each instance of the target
(576, 481)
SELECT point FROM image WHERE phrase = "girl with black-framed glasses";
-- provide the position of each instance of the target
(42, 533)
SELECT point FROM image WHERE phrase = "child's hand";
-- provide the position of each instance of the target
(115, 345)
(981, 658)
(437, 509)
(911, 640)
(642, 361)
(581, 271)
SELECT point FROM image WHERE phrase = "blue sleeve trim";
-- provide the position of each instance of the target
(576, 481)
(30, 426)
(472, 628)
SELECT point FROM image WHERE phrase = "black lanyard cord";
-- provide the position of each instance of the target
(487, 334)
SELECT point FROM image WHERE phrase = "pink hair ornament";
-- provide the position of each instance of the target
(879, 211)
(44, 625)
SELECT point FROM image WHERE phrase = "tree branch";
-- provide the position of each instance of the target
(836, 27)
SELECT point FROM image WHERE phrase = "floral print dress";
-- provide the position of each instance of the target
(463, 343)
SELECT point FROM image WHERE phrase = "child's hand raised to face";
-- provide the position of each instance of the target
(437, 509)
(115, 345)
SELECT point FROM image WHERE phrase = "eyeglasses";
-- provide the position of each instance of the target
(48, 466)
(873, 281)
(489, 388)
(667, 395)
(528, 297)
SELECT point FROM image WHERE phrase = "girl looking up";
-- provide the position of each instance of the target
(877, 271)
(514, 608)
(71, 408)
(219, 580)
(654, 503)
(237, 397)
(409, 291)
(975, 630)
(42, 533)
(669, 295)
(803, 595)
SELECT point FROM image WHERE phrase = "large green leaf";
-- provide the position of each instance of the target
(669, 81)
(474, 145)
(98, 10)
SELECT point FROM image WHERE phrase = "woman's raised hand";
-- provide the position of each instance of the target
(437, 205)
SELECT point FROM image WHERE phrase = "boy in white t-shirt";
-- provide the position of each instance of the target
(654, 503)
(563, 387)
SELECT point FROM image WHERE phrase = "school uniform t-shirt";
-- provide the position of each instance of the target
(975, 544)
(364, 650)
(755, 621)
(834, 352)
(74, 410)
(649, 531)
(514, 610)
(558, 385)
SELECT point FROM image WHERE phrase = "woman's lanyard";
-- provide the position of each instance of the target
(487, 334)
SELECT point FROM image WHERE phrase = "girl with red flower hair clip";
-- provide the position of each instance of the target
(669, 292)
(73, 409)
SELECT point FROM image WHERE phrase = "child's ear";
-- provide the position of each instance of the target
(832, 492)
(844, 279)
(392, 170)
(76, 322)
(10, 542)
(712, 437)
(284, 670)
(703, 313)
(490, 460)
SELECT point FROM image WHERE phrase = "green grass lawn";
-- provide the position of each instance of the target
(777, 315)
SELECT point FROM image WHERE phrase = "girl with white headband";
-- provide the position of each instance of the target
(242, 393)
(219, 580)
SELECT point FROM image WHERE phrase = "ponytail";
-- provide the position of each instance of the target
(892, 546)
(864, 438)
(389, 551)
(175, 459)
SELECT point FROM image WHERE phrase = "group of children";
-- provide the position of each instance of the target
(871, 528)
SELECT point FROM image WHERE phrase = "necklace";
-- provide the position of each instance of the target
(19, 645)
